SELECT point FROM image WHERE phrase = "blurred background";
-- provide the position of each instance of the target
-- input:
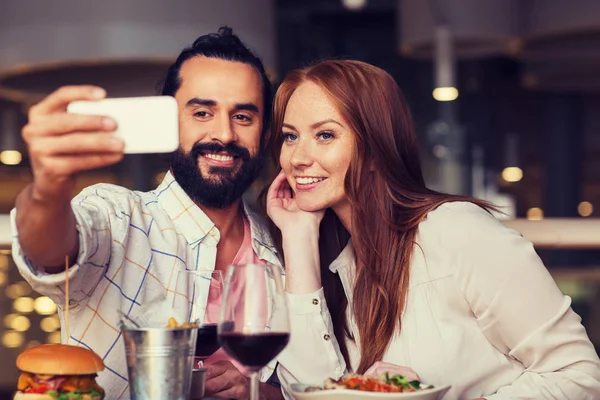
(505, 93)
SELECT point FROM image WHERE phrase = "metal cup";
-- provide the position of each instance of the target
(198, 382)
(160, 362)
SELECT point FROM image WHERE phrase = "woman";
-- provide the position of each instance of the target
(380, 268)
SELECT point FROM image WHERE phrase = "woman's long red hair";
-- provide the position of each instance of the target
(384, 179)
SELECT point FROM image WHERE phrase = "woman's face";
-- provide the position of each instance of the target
(317, 148)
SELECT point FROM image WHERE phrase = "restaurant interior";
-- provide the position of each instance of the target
(505, 93)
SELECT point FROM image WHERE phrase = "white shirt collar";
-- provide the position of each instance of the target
(345, 259)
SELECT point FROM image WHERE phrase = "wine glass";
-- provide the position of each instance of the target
(254, 323)
(197, 299)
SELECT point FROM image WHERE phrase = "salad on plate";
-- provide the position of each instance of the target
(366, 383)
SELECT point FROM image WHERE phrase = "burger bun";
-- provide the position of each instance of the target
(35, 396)
(59, 359)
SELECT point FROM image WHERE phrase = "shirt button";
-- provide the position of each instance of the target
(315, 302)
(326, 337)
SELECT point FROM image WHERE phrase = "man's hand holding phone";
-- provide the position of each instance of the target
(62, 144)
(76, 129)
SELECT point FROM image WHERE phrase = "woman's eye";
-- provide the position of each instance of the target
(289, 137)
(326, 135)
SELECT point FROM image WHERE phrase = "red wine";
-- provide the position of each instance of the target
(208, 342)
(254, 350)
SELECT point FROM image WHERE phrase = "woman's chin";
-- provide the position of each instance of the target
(310, 206)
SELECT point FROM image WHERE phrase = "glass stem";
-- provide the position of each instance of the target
(254, 384)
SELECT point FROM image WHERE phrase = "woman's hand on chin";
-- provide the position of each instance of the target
(284, 211)
(300, 234)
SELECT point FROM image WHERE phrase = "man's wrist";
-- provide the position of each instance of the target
(55, 199)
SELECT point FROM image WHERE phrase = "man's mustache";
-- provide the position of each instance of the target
(231, 149)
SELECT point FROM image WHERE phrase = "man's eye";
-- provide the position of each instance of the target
(242, 117)
(201, 114)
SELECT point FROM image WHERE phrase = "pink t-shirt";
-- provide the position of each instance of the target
(245, 255)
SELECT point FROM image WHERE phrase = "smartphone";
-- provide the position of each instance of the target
(146, 124)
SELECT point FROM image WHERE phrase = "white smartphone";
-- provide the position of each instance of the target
(146, 124)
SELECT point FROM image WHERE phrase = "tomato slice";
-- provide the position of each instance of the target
(39, 390)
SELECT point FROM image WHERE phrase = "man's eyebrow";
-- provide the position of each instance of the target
(201, 102)
(212, 103)
(247, 107)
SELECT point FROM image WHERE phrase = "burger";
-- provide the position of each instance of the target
(58, 371)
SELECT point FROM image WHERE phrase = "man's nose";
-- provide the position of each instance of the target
(224, 131)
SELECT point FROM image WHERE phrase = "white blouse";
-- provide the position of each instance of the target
(483, 315)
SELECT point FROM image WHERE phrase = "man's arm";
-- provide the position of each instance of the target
(47, 230)
(60, 146)
(223, 379)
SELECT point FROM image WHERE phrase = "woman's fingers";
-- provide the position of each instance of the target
(275, 188)
(380, 368)
(287, 190)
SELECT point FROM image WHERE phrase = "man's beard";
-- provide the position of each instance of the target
(226, 185)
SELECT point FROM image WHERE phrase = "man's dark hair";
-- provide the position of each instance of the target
(225, 46)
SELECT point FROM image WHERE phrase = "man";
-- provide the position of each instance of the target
(126, 247)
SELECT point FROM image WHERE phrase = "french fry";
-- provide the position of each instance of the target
(174, 324)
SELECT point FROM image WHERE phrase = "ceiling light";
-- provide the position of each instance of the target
(512, 174)
(11, 157)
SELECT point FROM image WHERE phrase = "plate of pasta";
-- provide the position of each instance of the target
(353, 386)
